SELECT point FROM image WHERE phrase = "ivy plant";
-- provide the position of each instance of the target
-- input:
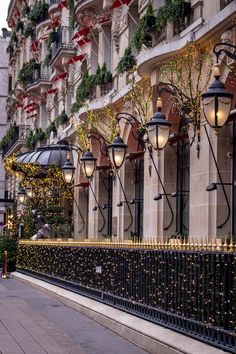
(19, 26)
(127, 62)
(38, 11)
(29, 30)
(145, 23)
(27, 71)
(34, 138)
(10, 134)
(25, 10)
(103, 76)
(154, 22)
(84, 89)
(61, 119)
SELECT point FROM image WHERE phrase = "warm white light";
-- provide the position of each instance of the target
(68, 176)
(216, 113)
(88, 168)
(158, 136)
(117, 156)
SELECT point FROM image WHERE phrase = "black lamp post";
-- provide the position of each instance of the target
(217, 102)
(216, 107)
(158, 128)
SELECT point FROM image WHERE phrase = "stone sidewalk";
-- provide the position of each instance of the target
(35, 323)
(151, 337)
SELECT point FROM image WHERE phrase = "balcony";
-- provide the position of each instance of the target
(54, 6)
(224, 3)
(18, 140)
(63, 47)
(40, 78)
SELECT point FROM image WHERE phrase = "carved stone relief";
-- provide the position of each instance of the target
(119, 23)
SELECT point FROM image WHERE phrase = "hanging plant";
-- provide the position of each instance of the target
(52, 37)
(38, 12)
(19, 26)
(25, 10)
(127, 62)
(84, 89)
(10, 134)
(34, 138)
(51, 128)
(29, 30)
(10, 48)
(103, 76)
(48, 58)
(153, 22)
(61, 119)
(178, 9)
(27, 71)
(145, 26)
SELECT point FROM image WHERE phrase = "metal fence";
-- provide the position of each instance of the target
(190, 291)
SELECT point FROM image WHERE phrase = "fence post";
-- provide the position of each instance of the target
(4, 266)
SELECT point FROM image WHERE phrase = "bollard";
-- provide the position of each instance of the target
(4, 266)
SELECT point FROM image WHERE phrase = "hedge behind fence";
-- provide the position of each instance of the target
(199, 286)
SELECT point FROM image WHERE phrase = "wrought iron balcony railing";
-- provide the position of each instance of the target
(40, 73)
(53, 2)
(63, 40)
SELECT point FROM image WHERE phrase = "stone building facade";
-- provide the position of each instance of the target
(70, 39)
(4, 76)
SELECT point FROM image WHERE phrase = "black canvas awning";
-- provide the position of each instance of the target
(46, 156)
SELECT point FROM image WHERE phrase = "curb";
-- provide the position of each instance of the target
(152, 338)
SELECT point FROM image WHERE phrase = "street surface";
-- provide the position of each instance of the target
(35, 323)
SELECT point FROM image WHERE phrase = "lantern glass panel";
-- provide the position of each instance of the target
(117, 156)
(216, 110)
(68, 175)
(88, 168)
(158, 136)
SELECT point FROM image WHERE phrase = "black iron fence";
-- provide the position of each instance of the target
(190, 291)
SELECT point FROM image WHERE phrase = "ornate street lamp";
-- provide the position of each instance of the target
(88, 163)
(21, 195)
(158, 128)
(68, 171)
(117, 152)
(217, 102)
